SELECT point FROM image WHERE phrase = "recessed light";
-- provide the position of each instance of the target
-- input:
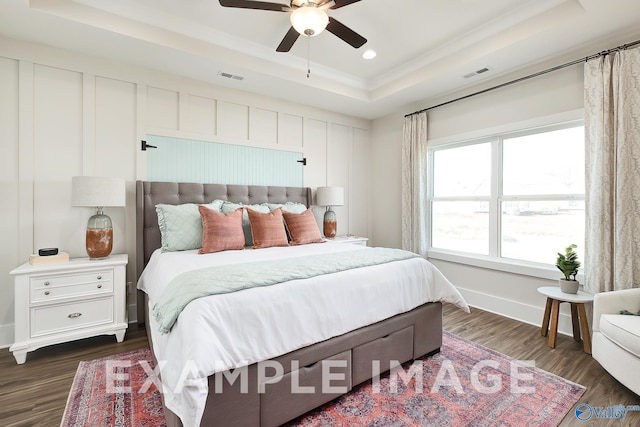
(369, 54)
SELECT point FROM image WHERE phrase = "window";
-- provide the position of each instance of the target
(461, 200)
(517, 196)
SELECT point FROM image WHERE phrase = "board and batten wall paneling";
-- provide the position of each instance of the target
(9, 191)
(263, 126)
(358, 182)
(163, 108)
(201, 115)
(115, 154)
(58, 139)
(234, 120)
(338, 163)
(291, 130)
(316, 133)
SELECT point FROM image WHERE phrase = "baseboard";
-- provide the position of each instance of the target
(6, 335)
(516, 310)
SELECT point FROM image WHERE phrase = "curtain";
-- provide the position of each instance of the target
(612, 138)
(414, 184)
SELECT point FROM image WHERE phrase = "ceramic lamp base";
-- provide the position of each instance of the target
(329, 225)
(99, 236)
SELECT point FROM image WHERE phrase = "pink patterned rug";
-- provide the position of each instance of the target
(92, 404)
(465, 384)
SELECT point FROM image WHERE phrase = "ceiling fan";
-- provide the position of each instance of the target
(307, 18)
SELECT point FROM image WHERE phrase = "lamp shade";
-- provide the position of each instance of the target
(95, 191)
(309, 20)
(330, 196)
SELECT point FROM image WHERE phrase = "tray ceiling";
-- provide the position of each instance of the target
(424, 47)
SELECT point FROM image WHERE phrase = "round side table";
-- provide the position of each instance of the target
(578, 315)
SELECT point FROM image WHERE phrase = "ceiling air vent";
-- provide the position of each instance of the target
(475, 73)
(230, 76)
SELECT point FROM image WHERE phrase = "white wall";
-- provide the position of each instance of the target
(509, 294)
(63, 114)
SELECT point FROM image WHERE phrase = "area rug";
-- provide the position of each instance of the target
(465, 384)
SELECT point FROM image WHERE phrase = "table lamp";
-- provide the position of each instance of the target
(98, 192)
(330, 196)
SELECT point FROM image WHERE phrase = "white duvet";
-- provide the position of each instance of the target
(222, 332)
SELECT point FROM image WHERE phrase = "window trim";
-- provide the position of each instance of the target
(495, 136)
(507, 265)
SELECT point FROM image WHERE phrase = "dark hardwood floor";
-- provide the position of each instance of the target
(35, 393)
(568, 360)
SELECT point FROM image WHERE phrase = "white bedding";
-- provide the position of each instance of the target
(222, 332)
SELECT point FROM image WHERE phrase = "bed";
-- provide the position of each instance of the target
(300, 332)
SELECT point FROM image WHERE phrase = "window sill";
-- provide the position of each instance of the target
(540, 271)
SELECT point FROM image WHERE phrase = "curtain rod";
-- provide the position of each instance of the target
(530, 76)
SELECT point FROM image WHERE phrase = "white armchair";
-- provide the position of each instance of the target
(616, 337)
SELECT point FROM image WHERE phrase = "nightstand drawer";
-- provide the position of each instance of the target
(66, 317)
(68, 285)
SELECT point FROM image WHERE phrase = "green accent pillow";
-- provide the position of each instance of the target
(181, 225)
(246, 226)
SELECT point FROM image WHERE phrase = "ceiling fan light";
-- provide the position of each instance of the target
(309, 20)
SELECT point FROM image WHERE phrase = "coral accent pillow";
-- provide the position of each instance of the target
(221, 232)
(302, 227)
(267, 229)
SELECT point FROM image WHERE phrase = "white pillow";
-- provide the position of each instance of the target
(291, 207)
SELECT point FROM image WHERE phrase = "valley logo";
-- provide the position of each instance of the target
(585, 412)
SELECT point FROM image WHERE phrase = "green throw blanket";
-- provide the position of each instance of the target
(235, 277)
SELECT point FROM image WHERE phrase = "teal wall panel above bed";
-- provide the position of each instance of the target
(188, 160)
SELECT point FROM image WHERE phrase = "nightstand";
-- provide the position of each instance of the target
(354, 240)
(69, 301)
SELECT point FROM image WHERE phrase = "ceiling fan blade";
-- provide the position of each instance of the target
(258, 5)
(326, 4)
(345, 33)
(289, 39)
(342, 3)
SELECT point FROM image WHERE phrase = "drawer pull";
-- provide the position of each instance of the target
(99, 286)
(47, 292)
(99, 277)
(46, 283)
(74, 315)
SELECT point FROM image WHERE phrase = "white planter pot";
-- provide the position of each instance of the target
(569, 286)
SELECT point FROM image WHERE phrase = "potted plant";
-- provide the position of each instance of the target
(568, 263)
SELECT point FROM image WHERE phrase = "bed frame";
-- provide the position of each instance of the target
(403, 337)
